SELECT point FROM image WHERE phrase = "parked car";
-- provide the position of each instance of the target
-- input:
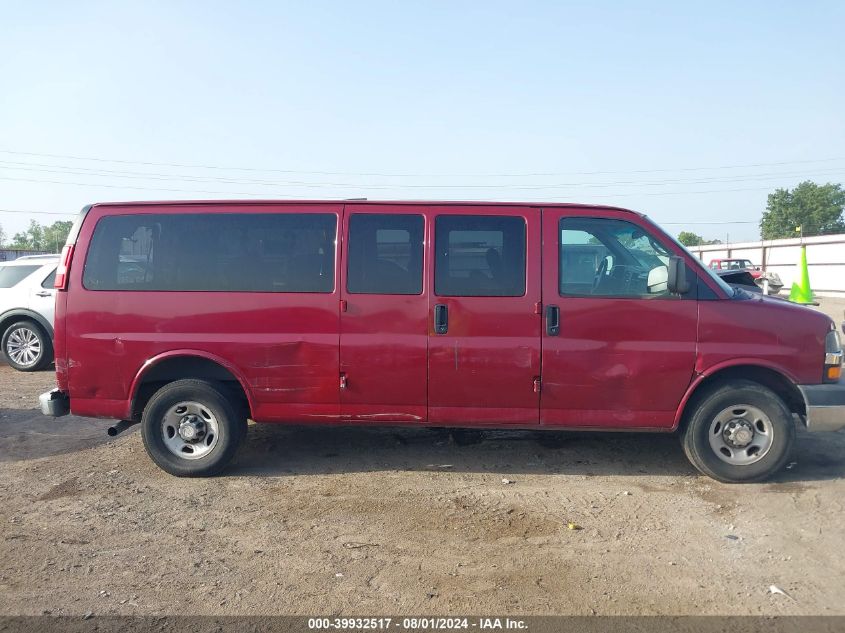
(191, 317)
(26, 311)
(730, 269)
(741, 279)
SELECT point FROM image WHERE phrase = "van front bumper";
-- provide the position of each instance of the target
(54, 403)
(825, 406)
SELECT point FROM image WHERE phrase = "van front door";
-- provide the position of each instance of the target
(383, 318)
(484, 322)
(618, 348)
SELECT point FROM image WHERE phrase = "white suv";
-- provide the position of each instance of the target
(27, 306)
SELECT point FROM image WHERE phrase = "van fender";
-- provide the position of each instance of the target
(25, 313)
(188, 353)
(726, 364)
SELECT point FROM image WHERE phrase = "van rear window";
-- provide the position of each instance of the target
(224, 252)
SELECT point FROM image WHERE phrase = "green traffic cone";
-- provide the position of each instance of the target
(801, 291)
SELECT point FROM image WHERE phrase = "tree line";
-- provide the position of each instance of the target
(39, 237)
(808, 209)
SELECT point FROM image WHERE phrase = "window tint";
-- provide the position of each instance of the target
(50, 281)
(291, 252)
(606, 257)
(479, 256)
(385, 254)
(12, 275)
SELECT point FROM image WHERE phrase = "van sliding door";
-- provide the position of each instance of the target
(484, 322)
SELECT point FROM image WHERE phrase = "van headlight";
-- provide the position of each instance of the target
(832, 357)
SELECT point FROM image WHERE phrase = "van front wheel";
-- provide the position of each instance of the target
(739, 432)
(191, 429)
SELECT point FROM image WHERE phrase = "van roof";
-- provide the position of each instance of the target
(155, 203)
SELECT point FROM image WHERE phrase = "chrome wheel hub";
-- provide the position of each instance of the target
(738, 433)
(189, 430)
(741, 435)
(23, 346)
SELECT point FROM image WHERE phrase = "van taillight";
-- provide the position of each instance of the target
(64, 268)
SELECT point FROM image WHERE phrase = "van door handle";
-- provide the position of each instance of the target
(44, 293)
(441, 319)
(552, 320)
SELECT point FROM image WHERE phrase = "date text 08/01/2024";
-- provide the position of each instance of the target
(412, 623)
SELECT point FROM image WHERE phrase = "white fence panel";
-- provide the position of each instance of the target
(825, 259)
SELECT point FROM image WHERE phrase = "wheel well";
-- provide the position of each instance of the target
(7, 319)
(179, 367)
(770, 378)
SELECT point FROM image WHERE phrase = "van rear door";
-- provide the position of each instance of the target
(250, 287)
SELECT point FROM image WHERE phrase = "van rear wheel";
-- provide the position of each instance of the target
(739, 432)
(191, 429)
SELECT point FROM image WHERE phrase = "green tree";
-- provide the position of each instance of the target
(40, 237)
(32, 238)
(2, 236)
(688, 238)
(56, 234)
(817, 209)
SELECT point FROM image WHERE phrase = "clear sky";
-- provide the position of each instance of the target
(425, 100)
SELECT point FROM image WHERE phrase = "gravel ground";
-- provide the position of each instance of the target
(401, 521)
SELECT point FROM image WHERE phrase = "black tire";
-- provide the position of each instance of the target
(229, 418)
(702, 419)
(45, 345)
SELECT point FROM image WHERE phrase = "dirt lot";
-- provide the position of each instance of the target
(363, 521)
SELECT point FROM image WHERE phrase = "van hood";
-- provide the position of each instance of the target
(793, 313)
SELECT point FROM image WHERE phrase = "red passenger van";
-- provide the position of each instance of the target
(193, 317)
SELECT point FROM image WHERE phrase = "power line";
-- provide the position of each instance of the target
(678, 193)
(38, 212)
(96, 185)
(287, 197)
(717, 222)
(100, 173)
(417, 175)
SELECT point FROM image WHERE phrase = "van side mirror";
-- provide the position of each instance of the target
(677, 283)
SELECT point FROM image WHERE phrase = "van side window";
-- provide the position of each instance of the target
(479, 256)
(385, 254)
(225, 252)
(611, 258)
